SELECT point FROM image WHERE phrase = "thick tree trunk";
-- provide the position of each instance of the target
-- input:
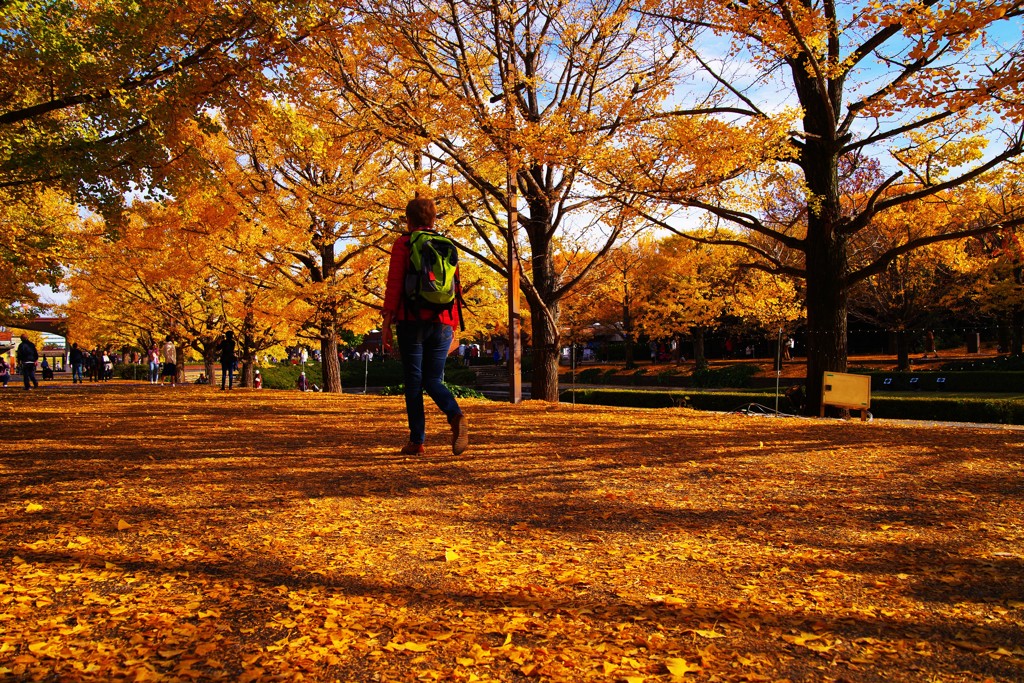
(330, 367)
(179, 354)
(209, 366)
(544, 382)
(247, 375)
(700, 359)
(902, 350)
(826, 317)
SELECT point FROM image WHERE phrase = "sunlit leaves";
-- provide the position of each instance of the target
(623, 545)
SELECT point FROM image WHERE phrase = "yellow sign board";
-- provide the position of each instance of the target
(845, 390)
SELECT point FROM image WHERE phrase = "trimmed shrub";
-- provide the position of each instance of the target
(946, 409)
(732, 376)
(959, 381)
(285, 376)
(124, 371)
(354, 374)
(590, 375)
(458, 391)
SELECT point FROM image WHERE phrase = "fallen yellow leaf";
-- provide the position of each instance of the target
(679, 667)
(709, 634)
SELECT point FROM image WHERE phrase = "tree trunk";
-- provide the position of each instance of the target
(247, 376)
(209, 365)
(544, 383)
(825, 247)
(902, 350)
(627, 328)
(330, 367)
(826, 317)
(699, 358)
(179, 354)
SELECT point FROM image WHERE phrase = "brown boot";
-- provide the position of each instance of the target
(460, 434)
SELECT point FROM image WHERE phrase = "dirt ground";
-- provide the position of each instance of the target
(150, 534)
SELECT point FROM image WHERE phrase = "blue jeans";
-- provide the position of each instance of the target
(227, 372)
(154, 372)
(28, 375)
(424, 348)
(76, 373)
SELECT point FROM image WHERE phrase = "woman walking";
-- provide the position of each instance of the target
(425, 338)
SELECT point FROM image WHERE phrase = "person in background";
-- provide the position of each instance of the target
(27, 355)
(170, 355)
(153, 355)
(5, 372)
(302, 384)
(77, 360)
(257, 381)
(929, 345)
(96, 365)
(108, 365)
(227, 360)
(425, 339)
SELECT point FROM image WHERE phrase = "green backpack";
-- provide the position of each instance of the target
(431, 280)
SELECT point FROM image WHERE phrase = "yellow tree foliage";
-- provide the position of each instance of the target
(93, 94)
(317, 192)
(915, 87)
(142, 287)
(690, 286)
(38, 233)
(610, 294)
(511, 105)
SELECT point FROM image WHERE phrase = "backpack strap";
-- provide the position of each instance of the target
(459, 301)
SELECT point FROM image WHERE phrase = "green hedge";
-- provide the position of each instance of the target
(354, 374)
(947, 409)
(966, 381)
(1001, 363)
(742, 376)
(633, 398)
(458, 391)
(730, 376)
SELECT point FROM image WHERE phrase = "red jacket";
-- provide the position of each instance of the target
(394, 295)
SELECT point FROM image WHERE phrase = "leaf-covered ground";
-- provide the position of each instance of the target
(156, 534)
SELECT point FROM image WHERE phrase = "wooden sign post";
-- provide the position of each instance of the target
(844, 390)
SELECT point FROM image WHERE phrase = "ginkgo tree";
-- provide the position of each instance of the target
(143, 288)
(511, 105)
(690, 287)
(92, 95)
(994, 285)
(611, 293)
(312, 188)
(914, 86)
(39, 232)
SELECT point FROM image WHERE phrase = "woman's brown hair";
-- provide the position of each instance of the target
(421, 213)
